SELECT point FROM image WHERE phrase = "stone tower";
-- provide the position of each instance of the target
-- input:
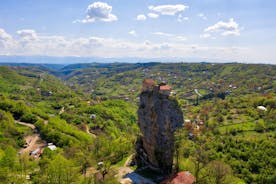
(158, 117)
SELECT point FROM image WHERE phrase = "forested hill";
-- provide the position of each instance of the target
(124, 79)
(89, 112)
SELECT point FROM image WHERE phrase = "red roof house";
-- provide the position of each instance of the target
(165, 89)
(184, 177)
(148, 84)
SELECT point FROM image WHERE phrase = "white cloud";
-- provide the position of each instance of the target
(171, 36)
(4, 36)
(98, 11)
(180, 18)
(225, 28)
(162, 34)
(141, 17)
(6, 40)
(168, 9)
(153, 15)
(202, 16)
(132, 32)
(27, 35)
(205, 35)
(54, 45)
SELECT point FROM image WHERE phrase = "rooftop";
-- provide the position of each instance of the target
(165, 87)
(149, 82)
(183, 177)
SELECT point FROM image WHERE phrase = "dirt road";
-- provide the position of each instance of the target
(87, 131)
(33, 141)
(127, 175)
(26, 124)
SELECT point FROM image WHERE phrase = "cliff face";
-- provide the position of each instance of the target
(158, 118)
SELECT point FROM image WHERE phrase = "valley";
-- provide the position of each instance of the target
(89, 112)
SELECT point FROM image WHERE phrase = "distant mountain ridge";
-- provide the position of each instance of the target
(73, 60)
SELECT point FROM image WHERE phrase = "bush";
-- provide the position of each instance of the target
(28, 118)
(260, 126)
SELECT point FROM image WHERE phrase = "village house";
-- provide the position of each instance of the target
(93, 116)
(262, 108)
(51, 146)
(165, 90)
(148, 84)
(184, 177)
(36, 153)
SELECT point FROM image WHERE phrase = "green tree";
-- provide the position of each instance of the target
(9, 158)
(260, 126)
(60, 171)
(217, 172)
(200, 159)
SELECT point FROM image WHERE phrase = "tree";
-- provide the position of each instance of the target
(260, 126)
(83, 161)
(200, 160)
(60, 171)
(179, 136)
(9, 158)
(8, 166)
(24, 164)
(217, 172)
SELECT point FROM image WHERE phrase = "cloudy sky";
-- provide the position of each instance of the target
(233, 30)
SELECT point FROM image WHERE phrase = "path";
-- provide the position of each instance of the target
(61, 110)
(90, 171)
(26, 124)
(46, 122)
(196, 91)
(87, 131)
(33, 141)
(127, 175)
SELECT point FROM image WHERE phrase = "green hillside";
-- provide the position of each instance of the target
(88, 111)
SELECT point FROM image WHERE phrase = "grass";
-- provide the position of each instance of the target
(26, 130)
(186, 165)
(122, 162)
(253, 135)
(249, 126)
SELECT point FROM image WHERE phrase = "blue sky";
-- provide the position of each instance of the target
(226, 30)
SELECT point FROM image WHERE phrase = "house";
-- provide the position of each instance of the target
(190, 135)
(51, 146)
(187, 121)
(184, 177)
(148, 84)
(165, 89)
(201, 122)
(262, 108)
(93, 116)
(100, 163)
(36, 153)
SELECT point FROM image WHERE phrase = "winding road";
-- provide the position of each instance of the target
(26, 124)
(33, 141)
(87, 131)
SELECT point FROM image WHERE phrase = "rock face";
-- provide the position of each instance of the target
(158, 118)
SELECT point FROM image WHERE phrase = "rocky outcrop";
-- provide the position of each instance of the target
(158, 117)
